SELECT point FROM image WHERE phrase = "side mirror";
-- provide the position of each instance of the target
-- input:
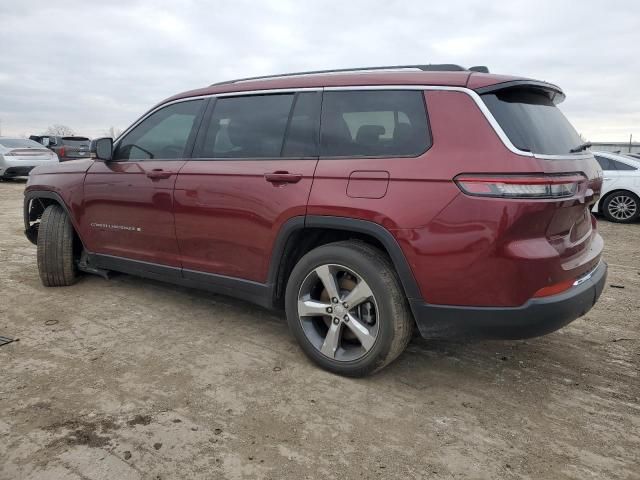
(102, 148)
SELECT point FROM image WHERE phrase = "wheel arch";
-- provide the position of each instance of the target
(301, 234)
(611, 192)
(35, 202)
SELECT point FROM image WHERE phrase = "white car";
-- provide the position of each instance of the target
(620, 197)
(18, 156)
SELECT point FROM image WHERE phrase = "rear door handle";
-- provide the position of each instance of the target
(283, 177)
(158, 173)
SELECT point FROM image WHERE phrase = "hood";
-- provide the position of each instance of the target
(72, 166)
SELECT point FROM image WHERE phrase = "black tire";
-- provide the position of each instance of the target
(396, 324)
(56, 263)
(610, 201)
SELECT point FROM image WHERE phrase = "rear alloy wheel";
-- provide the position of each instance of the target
(346, 307)
(621, 207)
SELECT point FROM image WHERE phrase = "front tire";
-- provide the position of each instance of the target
(56, 263)
(347, 310)
(621, 207)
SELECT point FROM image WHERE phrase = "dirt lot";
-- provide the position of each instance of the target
(131, 379)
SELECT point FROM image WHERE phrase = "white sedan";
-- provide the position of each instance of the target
(620, 197)
(19, 155)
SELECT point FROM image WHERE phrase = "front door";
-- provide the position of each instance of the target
(128, 202)
(252, 170)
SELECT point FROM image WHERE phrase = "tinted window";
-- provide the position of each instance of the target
(75, 141)
(374, 123)
(604, 162)
(622, 166)
(162, 135)
(532, 121)
(304, 124)
(247, 127)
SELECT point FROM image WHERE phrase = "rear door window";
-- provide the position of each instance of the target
(304, 126)
(374, 123)
(532, 121)
(252, 126)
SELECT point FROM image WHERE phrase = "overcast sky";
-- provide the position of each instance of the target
(96, 64)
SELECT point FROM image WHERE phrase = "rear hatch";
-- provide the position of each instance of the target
(530, 118)
(75, 147)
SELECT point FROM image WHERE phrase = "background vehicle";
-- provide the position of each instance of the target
(620, 197)
(19, 155)
(433, 195)
(69, 148)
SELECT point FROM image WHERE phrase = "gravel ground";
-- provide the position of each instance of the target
(130, 378)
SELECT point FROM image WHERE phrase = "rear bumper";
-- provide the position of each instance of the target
(16, 171)
(21, 168)
(536, 317)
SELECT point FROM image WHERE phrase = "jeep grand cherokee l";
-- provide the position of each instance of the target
(361, 202)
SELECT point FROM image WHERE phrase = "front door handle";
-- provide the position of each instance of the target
(158, 173)
(283, 177)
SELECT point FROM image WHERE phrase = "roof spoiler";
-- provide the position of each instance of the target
(554, 92)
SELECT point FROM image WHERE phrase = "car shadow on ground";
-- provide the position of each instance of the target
(426, 363)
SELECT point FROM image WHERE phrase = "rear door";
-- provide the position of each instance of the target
(128, 202)
(251, 171)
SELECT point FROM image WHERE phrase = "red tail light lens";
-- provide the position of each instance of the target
(61, 152)
(554, 289)
(520, 186)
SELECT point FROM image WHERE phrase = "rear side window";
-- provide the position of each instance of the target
(248, 127)
(621, 166)
(609, 164)
(374, 123)
(604, 162)
(162, 135)
(532, 121)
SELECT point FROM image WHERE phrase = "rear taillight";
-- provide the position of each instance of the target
(61, 152)
(520, 186)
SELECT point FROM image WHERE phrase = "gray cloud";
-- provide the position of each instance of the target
(93, 65)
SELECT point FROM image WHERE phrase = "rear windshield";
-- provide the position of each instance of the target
(75, 141)
(532, 121)
(19, 143)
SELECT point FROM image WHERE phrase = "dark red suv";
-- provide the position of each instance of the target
(361, 202)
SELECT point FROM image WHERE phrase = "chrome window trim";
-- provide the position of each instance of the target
(473, 94)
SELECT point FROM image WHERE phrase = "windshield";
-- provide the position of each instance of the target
(19, 143)
(532, 121)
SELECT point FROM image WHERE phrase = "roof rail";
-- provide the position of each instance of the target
(443, 67)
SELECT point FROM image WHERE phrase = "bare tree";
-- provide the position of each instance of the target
(113, 132)
(60, 130)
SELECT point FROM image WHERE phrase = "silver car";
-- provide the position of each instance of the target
(19, 155)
